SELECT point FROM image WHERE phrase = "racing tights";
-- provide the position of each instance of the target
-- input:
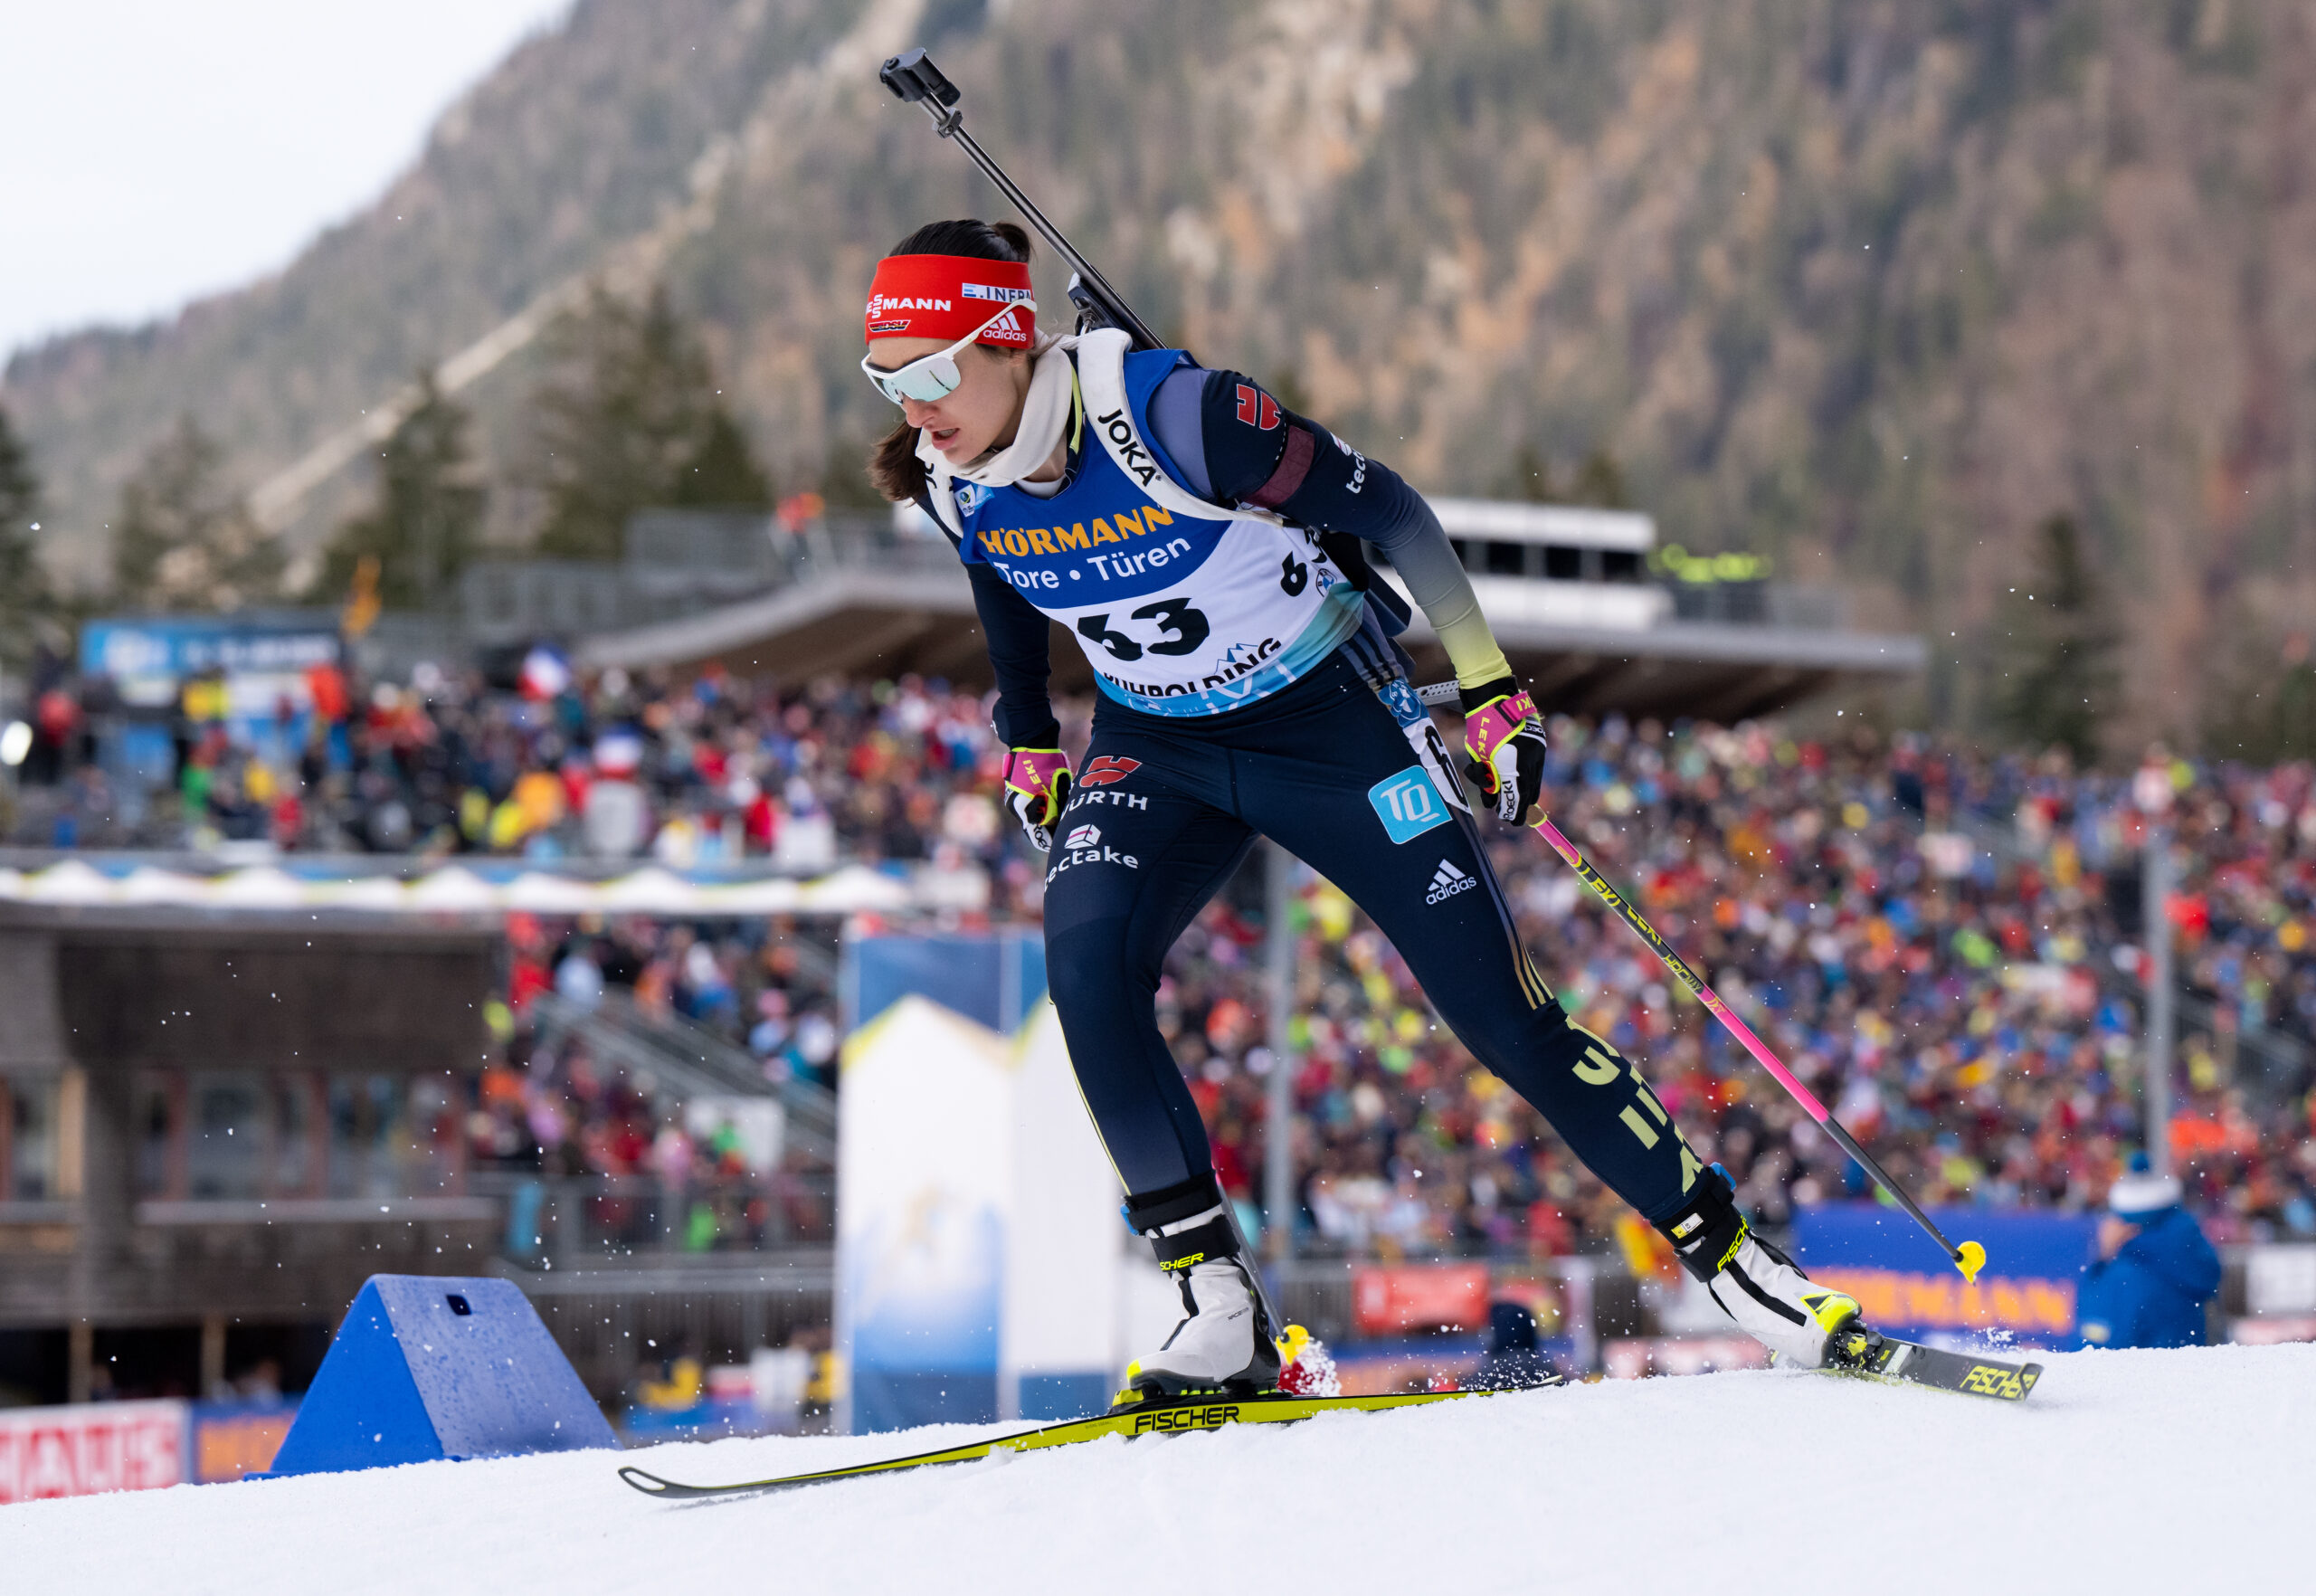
(1165, 810)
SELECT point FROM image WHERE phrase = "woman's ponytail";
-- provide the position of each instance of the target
(894, 469)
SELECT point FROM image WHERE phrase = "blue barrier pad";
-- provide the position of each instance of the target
(429, 1367)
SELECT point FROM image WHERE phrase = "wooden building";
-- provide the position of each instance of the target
(213, 1127)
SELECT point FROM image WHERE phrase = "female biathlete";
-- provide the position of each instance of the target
(1202, 541)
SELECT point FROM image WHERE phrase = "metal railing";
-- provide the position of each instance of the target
(1759, 604)
(677, 563)
(666, 1051)
(2272, 1064)
(619, 1319)
(558, 1223)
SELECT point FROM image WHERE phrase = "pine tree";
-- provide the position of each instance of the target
(723, 472)
(27, 598)
(424, 524)
(186, 540)
(1599, 481)
(2056, 649)
(2263, 709)
(1532, 476)
(628, 418)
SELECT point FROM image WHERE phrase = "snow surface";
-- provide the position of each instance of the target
(2126, 1471)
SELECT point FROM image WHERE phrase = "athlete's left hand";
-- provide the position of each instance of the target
(1505, 738)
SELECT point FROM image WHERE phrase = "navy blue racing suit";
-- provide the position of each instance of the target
(1167, 803)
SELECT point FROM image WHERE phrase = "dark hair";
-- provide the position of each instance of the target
(893, 466)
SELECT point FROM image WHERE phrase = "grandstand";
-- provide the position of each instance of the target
(642, 876)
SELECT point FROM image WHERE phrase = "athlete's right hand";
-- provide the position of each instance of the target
(1505, 736)
(1036, 786)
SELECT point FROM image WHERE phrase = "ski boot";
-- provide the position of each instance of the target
(1764, 1291)
(1225, 1343)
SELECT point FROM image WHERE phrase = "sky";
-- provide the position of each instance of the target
(154, 151)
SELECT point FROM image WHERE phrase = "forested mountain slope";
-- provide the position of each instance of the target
(1873, 288)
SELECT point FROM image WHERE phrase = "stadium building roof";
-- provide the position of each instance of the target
(1583, 601)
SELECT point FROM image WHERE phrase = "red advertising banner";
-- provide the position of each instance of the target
(1392, 1301)
(90, 1448)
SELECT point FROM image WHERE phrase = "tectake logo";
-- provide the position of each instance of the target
(1407, 805)
(1085, 846)
(1446, 882)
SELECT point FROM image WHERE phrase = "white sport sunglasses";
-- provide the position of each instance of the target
(934, 376)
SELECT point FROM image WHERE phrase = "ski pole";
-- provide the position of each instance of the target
(1969, 1256)
(912, 76)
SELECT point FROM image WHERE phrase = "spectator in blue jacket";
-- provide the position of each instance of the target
(2153, 1273)
(1514, 1360)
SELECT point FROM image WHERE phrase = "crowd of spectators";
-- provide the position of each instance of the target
(1943, 946)
(710, 771)
(657, 1170)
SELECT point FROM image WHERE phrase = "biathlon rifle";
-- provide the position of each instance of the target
(912, 76)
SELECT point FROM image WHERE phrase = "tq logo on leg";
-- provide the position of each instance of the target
(1407, 805)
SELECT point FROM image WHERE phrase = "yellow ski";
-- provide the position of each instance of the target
(1164, 1417)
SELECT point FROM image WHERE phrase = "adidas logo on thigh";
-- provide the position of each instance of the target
(1446, 882)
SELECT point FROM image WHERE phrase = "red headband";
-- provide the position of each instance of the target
(948, 296)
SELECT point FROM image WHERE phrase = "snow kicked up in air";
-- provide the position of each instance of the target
(2127, 1471)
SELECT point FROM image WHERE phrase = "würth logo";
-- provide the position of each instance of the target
(1257, 408)
(1446, 882)
(1108, 768)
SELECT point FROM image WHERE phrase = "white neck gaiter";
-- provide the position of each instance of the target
(1045, 411)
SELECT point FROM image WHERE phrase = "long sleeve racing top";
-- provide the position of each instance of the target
(1210, 425)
